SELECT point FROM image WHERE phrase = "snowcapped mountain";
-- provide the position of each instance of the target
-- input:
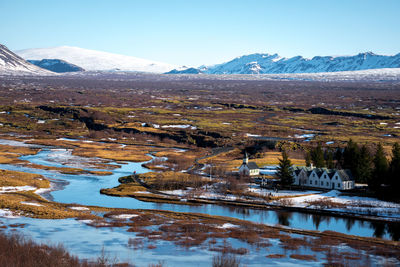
(274, 64)
(56, 65)
(93, 60)
(11, 64)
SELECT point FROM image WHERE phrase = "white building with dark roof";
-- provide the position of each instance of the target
(323, 178)
(248, 168)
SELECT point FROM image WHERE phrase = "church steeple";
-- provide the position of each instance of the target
(245, 158)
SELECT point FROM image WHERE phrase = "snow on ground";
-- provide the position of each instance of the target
(252, 135)
(15, 143)
(8, 189)
(280, 193)
(356, 204)
(125, 216)
(32, 204)
(5, 213)
(78, 208)
(43, 190)
(228, 225)
(180, 126)
(179, 192)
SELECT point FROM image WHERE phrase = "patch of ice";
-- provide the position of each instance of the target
(41, 121)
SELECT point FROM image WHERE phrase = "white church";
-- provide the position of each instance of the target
(248, 168)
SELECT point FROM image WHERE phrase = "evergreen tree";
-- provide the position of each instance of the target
(285, 171)
(317, 156)
(308, 159)
(339, 158)
(329, 160)
(351, 156)
(380, 171)
(364, 166)
(395, 167)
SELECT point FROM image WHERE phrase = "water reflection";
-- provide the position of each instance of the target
(284, 217)
(84, 189)
(381, 229)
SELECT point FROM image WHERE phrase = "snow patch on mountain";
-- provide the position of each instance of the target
(93, 60)
(12, 64)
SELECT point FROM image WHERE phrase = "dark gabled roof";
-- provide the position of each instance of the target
(252, 165)
(345, 175)
(331, 173)
(319, 171)
(297, 170)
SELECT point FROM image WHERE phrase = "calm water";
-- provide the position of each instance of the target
(85, 190)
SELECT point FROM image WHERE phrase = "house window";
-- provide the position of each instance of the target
(310, 182)
(327, 183)
(338, 185)
(316, 182)
(336, 177)
(322, 183)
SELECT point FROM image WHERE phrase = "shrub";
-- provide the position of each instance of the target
(225, 260)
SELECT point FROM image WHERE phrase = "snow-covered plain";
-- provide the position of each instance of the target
(344, 203)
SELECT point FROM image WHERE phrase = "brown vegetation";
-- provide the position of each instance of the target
(18, 251)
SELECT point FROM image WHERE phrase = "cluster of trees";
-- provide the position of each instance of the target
(368, 165)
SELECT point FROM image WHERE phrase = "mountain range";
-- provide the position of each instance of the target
(66, 59)
(274, 64)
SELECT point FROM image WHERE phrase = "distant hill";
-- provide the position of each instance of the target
(185, 71)
(92, 60)
(274, 64)
(56, 65)
(12, 64)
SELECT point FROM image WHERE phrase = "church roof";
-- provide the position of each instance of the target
(252, 165)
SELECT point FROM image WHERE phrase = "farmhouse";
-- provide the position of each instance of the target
(248, 168)
(323, 178)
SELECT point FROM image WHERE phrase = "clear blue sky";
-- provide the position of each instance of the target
(195, 32)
